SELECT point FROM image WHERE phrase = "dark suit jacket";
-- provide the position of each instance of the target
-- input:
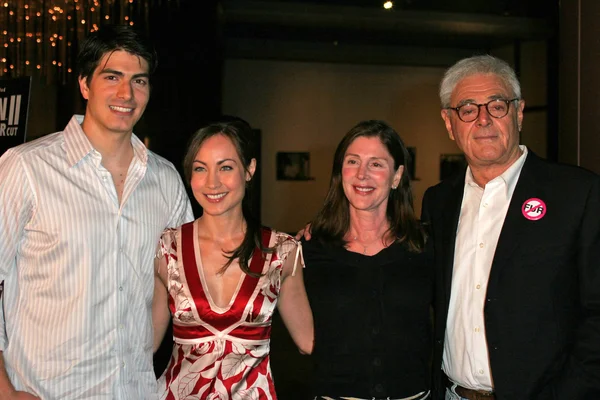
(542, 308)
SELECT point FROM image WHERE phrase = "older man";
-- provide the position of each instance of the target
(517, 244)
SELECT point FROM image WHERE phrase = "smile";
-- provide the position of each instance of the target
(215, 196)
(361, 189)
(121, 109)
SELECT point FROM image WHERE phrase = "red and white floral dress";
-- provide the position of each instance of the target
(221, 353)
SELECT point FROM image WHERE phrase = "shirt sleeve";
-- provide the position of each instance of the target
(288, 246)
(16, 208)
(167, 246)
(182, 210)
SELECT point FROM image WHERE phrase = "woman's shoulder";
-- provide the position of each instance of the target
(169, 235)
(279, 240)
(284, 246)
(319, 255)
(176, 231)
(282, 236)
(167, 244)
(402, 250)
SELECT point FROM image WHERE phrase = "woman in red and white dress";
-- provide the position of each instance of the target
(220, 278)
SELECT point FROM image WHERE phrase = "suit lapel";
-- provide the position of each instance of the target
(450, 219)
(513, 228)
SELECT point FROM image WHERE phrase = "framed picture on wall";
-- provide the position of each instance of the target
(451, 164)
(293, 166)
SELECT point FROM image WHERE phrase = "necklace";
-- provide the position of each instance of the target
(355, 238)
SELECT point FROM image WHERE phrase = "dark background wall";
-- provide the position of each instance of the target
(186, 88)
(195, 40)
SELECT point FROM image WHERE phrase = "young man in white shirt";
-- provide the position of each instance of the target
(81, 213)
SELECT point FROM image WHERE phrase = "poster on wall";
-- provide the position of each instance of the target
(293, 166)
(14, 107)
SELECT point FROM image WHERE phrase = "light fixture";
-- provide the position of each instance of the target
(37, 32)
(388, 5)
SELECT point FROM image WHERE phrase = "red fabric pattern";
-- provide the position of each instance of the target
(219, 354)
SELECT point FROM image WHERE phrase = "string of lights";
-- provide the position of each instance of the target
(42, 36)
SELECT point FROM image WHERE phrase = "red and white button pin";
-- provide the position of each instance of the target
(534, 209)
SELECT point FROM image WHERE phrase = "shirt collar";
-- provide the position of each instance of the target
(78, 146)
(510, 176)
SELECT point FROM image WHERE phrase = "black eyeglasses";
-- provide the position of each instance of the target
(469, 112)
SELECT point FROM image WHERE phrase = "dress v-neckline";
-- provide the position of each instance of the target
(214, 306)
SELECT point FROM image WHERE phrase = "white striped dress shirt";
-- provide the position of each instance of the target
(78, 266)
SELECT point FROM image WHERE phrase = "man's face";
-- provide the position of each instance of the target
(487, 141)
(117, 93)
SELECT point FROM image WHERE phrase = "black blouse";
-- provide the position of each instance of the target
(372, 320)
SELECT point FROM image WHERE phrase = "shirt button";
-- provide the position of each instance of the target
(379, 388)
(123, 364)
(481, 371)
(478, 287)
(377, 362)
(481, 245)
(476, 329)
(120, 288)
(375, 331)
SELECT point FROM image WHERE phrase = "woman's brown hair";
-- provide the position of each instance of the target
(332, 222)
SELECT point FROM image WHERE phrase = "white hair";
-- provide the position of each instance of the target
(484, 64)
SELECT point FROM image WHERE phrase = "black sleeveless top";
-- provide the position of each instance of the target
(373, 333)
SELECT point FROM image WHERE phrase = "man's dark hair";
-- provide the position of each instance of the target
(110, 38)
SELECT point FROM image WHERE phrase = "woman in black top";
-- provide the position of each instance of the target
(368, 275)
